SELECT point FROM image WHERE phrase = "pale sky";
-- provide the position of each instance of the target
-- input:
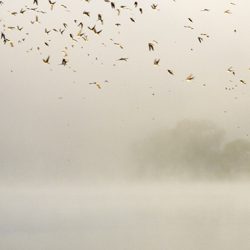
(55, 124)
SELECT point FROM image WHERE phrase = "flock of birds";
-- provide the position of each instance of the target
(80, 32)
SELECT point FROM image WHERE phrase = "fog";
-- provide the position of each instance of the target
(192, 150)
(195, 149)
(135, 216)
(56, 127)
(104, 154)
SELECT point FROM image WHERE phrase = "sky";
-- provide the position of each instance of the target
(56, 125)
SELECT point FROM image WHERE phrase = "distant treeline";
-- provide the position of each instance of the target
(194, 149)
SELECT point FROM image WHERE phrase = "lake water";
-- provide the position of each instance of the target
(128, 216)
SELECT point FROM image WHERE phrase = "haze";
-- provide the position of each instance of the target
(105, 153)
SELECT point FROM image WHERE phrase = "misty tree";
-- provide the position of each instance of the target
(194, 148)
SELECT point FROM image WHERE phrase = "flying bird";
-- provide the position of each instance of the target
(200, 39)
(123, 59)
(151, 46)
(154, 6)
(170, 72)
(64, 62)
(156, 61)
(46, 60)
(190, 77)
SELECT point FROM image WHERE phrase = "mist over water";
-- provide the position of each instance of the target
(184, 187)
(126, 216)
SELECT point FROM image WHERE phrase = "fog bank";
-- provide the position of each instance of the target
(194, 148)
(117, 217)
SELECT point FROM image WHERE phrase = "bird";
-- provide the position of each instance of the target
(72, 37)
(22, 11)
(154, 6)
(86, 13)
(230, 70)
(227, 12)
(46, 60)
(52, 4)
(190, 77)
(170, 72)
(96, 83)
(200, 39)
(151, 46)
(64, 62)
(47, 31)
(156, 61)
(112, 5)
(123, 59)
(188, 27)
(100, 18)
